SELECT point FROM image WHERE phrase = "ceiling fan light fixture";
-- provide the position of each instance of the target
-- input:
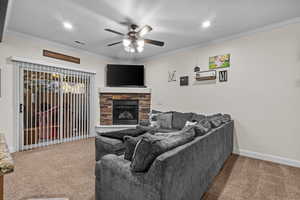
(140, 43)
(206, 24)
(146, 29)
(126, 42)
(140, 49)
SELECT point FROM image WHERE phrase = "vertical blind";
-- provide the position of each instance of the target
(54, 105)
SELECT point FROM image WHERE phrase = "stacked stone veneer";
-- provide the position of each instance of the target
(106, 105)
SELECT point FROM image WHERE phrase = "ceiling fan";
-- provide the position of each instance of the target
(134, 40)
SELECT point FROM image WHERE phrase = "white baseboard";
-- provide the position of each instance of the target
(11, 149)
(267, 157)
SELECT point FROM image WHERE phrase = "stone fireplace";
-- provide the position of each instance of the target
(124, 106)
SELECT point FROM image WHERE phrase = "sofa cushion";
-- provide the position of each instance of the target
(214, 116)
(179, 119)
(121, 133)
(164, 120)
(205, 122)
(226, 118)
(151, 146)
(130, 143)
(215, 121)
(110, 144)
(201, 130)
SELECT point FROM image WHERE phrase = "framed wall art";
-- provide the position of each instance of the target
(221, 61)
(184, 81)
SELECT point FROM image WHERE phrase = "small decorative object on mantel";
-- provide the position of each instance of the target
(172, 76)
(60, 56)
(221, 61)
(184, 81)
(206, 75)
(223, 76)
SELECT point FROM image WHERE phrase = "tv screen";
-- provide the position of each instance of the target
(125, 76)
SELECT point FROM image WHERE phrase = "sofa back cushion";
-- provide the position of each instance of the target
(164, 120)
(197, 117)
(179, 119)
(151, 146)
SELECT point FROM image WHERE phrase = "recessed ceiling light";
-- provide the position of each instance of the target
(206, 24)
(68, 25)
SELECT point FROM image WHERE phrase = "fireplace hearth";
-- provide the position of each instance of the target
(125, 112)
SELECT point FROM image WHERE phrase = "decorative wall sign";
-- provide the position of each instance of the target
(184, 81)
(60, 56)
(223, 76)
(172, 76)
(206, 75)
(221, 61)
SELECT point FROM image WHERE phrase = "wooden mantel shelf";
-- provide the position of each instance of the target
(6, 163)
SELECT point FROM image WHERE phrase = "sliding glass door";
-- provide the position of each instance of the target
(54, 105)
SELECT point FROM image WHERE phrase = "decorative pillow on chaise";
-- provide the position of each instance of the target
(130, 143)
(151, 146)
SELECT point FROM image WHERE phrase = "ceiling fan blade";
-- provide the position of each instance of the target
(154, 42)
(116, 32)
(143, 31)
(109, 45)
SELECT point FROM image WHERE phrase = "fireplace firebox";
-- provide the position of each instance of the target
(125, 112)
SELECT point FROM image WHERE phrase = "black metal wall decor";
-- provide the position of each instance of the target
(172, 76)
(223, 76)
(184, 81)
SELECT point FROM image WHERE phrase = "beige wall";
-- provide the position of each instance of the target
(16, 44)
(262, 93)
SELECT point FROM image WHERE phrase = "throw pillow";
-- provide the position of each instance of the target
(179, 119)
(200, 130)
(151, 146)
(226, 118)
(130, 143)
(164, 120)
(188, 123)
(205, 122)
(215, 122)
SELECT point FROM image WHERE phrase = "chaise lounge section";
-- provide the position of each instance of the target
(182, 173)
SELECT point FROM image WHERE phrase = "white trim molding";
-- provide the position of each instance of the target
(267, 157)
(222, 39)
(123, 90)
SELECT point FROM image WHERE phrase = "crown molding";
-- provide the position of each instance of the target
(224, 39)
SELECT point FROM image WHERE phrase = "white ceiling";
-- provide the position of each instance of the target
(177, 22)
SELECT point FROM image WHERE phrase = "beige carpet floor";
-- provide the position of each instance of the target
(67, 170)
(62, 170)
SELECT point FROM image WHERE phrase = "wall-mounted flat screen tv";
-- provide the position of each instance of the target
(125, 75)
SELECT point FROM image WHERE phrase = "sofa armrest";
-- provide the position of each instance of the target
(106, 145)
(115, 180)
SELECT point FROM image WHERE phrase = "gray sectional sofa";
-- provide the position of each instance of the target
(182, 173)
